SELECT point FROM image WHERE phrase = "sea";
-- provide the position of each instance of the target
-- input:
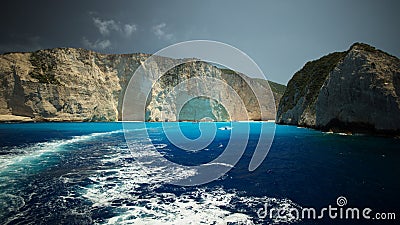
(86, 173)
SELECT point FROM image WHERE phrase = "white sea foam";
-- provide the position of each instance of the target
(25, 155)
(225, 128)
(160, 146)
(139, 197)
(167, 208)
(137, 194)
(10, 202)
(328, 132)
(219, 164)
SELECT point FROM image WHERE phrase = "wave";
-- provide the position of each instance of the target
(134, 194)
(220, 164)
(24, 156)
(140, 195)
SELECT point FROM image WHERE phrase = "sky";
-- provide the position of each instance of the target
(280, 36)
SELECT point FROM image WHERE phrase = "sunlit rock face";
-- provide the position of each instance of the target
(352, 91)
(68, 84)
(223, 96)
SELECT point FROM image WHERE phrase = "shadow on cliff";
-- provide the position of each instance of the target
(396, 84)
(17, 99)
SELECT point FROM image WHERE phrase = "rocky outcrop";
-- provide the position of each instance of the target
(67, 84)
(353, 91)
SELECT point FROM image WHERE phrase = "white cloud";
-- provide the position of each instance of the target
(129, 29)
(97, 45)
(159, 31)
(107, 26)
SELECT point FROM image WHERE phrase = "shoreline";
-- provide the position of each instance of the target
(344, 133)
(26, 119)
(350, 132)
(21, 119)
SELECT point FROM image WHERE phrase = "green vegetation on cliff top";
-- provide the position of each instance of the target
(308, 81)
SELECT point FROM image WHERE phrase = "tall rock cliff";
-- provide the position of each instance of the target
(67, 84)
(353, 91)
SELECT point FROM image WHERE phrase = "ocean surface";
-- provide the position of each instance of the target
(84, 173)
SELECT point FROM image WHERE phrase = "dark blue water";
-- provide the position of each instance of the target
(84, 173)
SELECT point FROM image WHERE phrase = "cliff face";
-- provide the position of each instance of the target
(353, 91)
(64, 84)
(67, 84)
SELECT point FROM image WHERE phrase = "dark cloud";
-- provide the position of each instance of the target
(20, 43)
(279, 35)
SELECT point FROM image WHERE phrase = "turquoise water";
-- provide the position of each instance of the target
(84, 173)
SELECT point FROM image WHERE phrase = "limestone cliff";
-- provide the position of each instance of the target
(67, 84)
(353, 91)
